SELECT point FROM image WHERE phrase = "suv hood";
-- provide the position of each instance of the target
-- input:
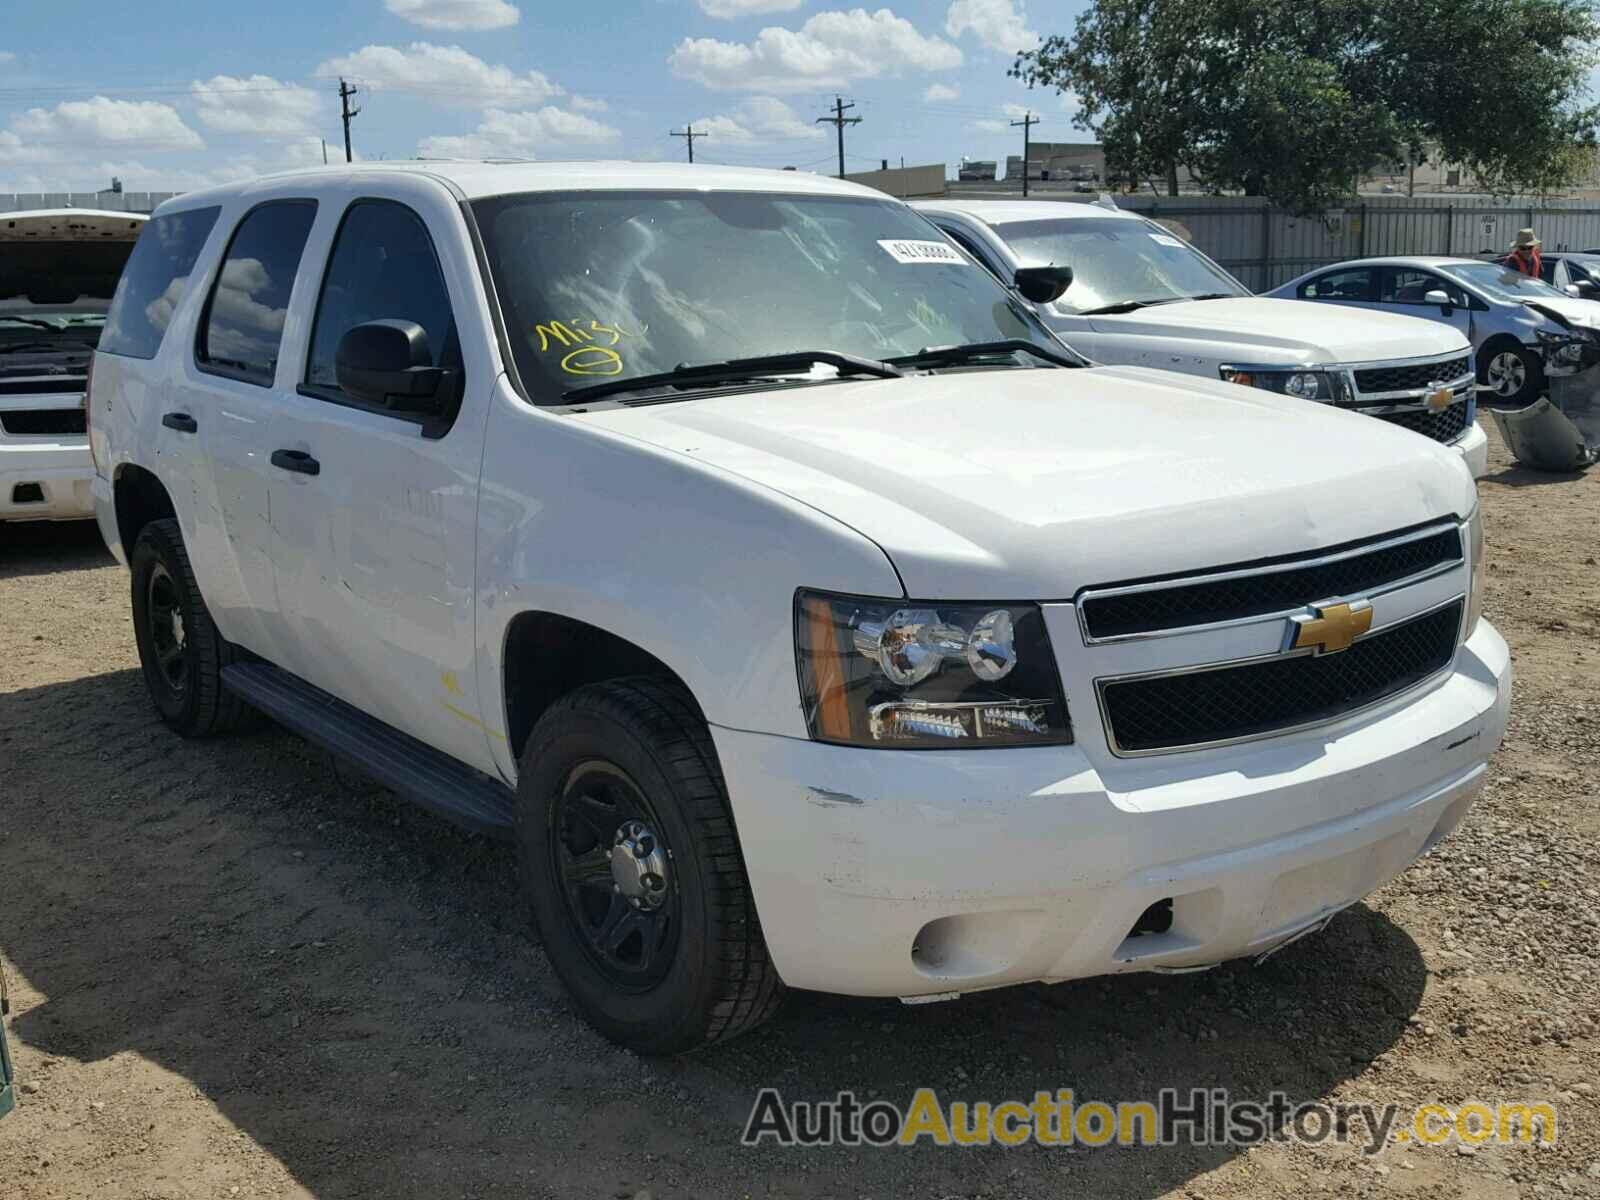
(1291, 332)
(1029, 484)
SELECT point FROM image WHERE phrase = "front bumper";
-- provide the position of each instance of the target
(1473, 446)
(59, 471)
(905, 873)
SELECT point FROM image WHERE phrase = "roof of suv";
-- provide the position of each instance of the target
(474, 180)
(1006, 212)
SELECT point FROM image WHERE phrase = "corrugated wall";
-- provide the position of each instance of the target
(110, 201)
(1265, 246)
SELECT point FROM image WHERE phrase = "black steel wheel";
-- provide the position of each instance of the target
(632, 869)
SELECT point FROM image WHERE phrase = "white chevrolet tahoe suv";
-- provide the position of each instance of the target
(764, 569)
(58, 268)
(1142, 297)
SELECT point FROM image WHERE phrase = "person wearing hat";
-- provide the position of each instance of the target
(1524, 256)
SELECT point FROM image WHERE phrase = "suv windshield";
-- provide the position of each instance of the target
(1117, 261)
(1503, 283)
(599, 286)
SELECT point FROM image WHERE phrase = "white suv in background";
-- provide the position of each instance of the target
(58, 268)
(1144, 297)
(764, 569)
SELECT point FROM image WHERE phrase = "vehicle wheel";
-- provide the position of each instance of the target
(631, 865)
(180, 649)
(1513, 371)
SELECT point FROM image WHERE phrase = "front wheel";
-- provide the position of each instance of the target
(632, 868)
(1513, 371)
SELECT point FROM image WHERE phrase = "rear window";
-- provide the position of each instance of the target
(152, 283)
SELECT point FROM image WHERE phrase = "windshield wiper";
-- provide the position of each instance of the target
(736, 370)
(33, 321)
(1213, 296)
(947, 356)
(1127, 306)
(65, 346)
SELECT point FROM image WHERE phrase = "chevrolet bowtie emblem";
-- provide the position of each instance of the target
(1439, 397)
(1330, 629)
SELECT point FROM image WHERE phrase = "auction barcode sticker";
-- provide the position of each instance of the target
(922, 252)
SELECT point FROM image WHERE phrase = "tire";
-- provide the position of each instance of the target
(179, 647)
(686, 965)
(1513, 371)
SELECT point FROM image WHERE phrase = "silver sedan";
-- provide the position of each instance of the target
(1521, 329)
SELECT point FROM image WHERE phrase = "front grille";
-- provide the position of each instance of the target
(56, 385)
(1264, 590)
(1411, 375)
(1445, 425)
(44, 421)
(1167, 712)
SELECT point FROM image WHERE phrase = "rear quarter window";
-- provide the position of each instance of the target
(153, 282)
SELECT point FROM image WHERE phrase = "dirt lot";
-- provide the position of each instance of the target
(238, 970)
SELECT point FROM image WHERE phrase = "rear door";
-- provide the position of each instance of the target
(375, 550)
(223, 397)
(1353, 287)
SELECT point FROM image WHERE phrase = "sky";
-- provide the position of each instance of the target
(171, 95)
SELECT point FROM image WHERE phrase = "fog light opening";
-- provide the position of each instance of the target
(27, 493)
(1155, 919)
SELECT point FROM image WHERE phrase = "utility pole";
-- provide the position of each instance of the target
(689, 134)
(1028, 122)
(839, 121)
(346, 113)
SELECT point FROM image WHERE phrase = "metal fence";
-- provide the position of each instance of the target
(142, 202)
(1265, 246)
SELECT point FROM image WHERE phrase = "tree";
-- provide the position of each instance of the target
(1295, 99)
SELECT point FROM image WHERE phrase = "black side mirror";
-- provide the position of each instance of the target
(1043, 285)
(389, 363)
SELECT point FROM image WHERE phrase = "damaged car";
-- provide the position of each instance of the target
(58, 271)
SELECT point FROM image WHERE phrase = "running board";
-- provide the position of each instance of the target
(421, 774)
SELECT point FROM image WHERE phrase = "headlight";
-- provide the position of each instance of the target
(1305, 385)
(1475, 563)
(914, 675)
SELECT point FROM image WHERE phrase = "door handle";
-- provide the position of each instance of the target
(296, 460)
(181, 421)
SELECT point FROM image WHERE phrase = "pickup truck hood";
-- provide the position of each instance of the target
(1293, 332)
(1029, 484)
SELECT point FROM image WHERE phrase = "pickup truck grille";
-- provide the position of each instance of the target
(33, 421)
(1263, 588)
(1408, 376)
(1245, 700)
(1446, 425)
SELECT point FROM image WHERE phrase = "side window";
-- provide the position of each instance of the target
(966, 243)
(383, 267)
(243, 322)
(1354, 284)
(153, 282)
(1404, 285)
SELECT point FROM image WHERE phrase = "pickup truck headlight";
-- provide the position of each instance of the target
(1306, 385)
(1475, 562)
(918, 675)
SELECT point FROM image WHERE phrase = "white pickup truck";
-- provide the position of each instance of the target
(1141, 296)
(764, 568)
(58, 268)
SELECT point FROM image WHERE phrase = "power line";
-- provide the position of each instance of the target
(1028, 122)
(346, 114)
(689, 136)
(839, 121)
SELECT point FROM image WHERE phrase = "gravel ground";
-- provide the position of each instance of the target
(239, 970)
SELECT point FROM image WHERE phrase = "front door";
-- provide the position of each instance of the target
(1405, 290)
(375, 510)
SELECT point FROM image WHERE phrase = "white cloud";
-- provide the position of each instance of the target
(260, 105)
(999, 25)
(72, 127)
(759, 119)
(456, 14)
(1015, 111)
(588, 104)
(988, 126)
(941, 91)
(504, 134)
(829, 50)
(444, 74)
(7, 56)
(728, 10)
